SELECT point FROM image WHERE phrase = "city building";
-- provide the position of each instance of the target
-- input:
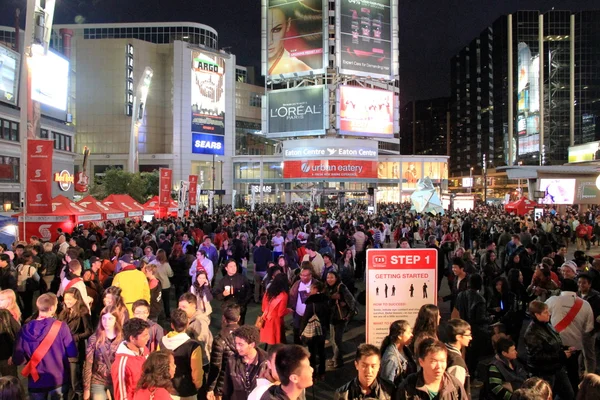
(424, 127)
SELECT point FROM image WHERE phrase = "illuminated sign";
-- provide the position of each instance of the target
(50, 80)
(324, 169)
(64, 179)
(330, 148)
(129, 80)
(584, 152)
(208, 144)
(366, 112)
(9, 75)
(296, 112)
(208, 93)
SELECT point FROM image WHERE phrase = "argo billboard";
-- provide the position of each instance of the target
(366, 112)
(297, 112)
(208, 93)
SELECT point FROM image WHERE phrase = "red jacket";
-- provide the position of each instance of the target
(271, 332)
(126, 371)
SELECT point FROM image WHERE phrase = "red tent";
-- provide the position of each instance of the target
(162, 212)
(127, 204)
(66, 214)
(520, 207)
(108, 213)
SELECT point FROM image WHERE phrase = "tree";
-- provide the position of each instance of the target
(140, 186)
(152, 181)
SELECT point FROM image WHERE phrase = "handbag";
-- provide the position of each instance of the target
(261, 319)
(260, 322)
(313, 328)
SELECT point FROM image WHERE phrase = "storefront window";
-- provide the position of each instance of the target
(207, 177)
(411, 173)
(388, 170)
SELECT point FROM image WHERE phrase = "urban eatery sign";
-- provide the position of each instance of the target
(64, 179)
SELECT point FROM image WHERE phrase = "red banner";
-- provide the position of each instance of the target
(164, 187)
(39, 176)
(330, 169)
(193, 190)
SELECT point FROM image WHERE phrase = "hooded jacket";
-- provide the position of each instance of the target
(133, 284)
(198, 330)
(188, 361)
(126, 371)
(54, 367)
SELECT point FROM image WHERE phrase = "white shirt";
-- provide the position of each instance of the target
(277, 242)
(300, 306)
(262, 385)
(572, 335)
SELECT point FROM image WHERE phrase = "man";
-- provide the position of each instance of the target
(73, 280)
(573, 318)
(367, 384)
(432, 381)
(460, 281)
(277, 242)
(581, 233)
(222, 350)
(8, 279)
(568, 270)
(211, 251)
(49, 262)
(126, 369)
(262, 255)
(587, 293)
(458, 337)
(328, 266)
(360, 240)
(294, 371)
(63, 245)
(197, 324)
(49, 341)
(185, 242)
(263, 383)
(248, 363)
(164, 243)
(141, 310)
(315, 259)
(188, 358)
(238, 289)
(542, 284)
(297, 299)
(202, 262)
(505, 373)
(133, 283)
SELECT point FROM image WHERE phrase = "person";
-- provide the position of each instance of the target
(133, 284)
(100, 354)
(112, 298)
(537, 388)
(157, 311)
(343, 306)
(458, 337)
(261, 256)
(211, 253)
(367, 383)
(141, 310)
(155, 381)
(248, 363)
(233, 288)
(197, 325)
(432, 381)
(9, 329)
(346, 270)
(397, 361)
(202, 263)
(426, 325)
(277, 242)
(546, 357)
(315, 259)
(27, 283)
(263, 383)
(8, 301)
(76, 315)
(294, 372)
(126, 369)
(589, 388)
(203, 292)
(274, 309)
(316, 305)
(505, 373)
(297, 299)
(49, 377)
(187, 352)
(328, 266)
(49, 267)
(11, 389)
(72, 279)
(163, 273)
(460, 280)
(223, 349)
(177, 261)
(8, 279)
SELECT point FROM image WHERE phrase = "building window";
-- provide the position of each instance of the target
(9, 169)
(62, 142)
(9, 130)
(255, 100)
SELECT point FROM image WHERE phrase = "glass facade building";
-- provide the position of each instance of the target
(423, 125)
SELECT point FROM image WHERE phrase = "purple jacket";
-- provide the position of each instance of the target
(54, 367)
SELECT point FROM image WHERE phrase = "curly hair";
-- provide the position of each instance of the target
(155, 371)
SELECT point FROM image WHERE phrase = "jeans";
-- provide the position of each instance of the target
(560, 385)
(54, 394)
(76, 389)
(336, 339)
(98, 392)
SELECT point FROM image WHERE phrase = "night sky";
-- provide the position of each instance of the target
(431, 32)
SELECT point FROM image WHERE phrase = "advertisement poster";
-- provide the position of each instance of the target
(208, 93)
(558, 191)
(164, 184)
(39, 176)
(50, 80)
(358, 169)
(366, 112)
(296, 112)
(366, 37)
(411, 173)
(208, 144)
(193, 190)
(294, 37)
(9, 75)
(399, 282)
(388, 170)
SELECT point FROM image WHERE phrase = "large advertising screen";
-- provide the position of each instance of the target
(528, 96)
(558, 191)
(9, 75)
(366, 112)
(208, 93)
(296, 112)
(294, 37)
(50, 80)
(365, 32)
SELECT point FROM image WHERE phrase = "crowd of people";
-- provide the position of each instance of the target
(125, 310)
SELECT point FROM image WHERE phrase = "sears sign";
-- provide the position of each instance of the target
(203, 143)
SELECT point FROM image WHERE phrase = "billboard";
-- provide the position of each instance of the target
(208, 93)
(528, 96)
(558, 191)
(366, 112)
(330, 169)
(208, 144)
(295, 44)
(365, 32)
(296, 112)
(50, 81)
(9, 75)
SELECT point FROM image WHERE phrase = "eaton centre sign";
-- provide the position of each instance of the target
(330, 148)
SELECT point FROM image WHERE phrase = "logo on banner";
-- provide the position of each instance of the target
(44, 232)
(38, 173)
(39, 198)
(305, 167)
(379, 260)
(208, 144)
(64, 179)
(39, 149)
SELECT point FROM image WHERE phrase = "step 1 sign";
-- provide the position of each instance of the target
(399, 282)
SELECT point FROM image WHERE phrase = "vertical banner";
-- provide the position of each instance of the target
(193, 180)
(399, 283)
(164, 185)
(39, 176)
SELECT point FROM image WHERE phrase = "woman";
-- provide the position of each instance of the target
(112, 298)
(491, 268)
(163, 273)
(292, 261)
(76, 315)
(157, 372)
(514, 261)
(342, 305)
(156, 298)
(11, 389)
(100, 355)
(177, 262)
(282, 263)
(397, 361)
(8, 333)
(502, 303)
(203, 292)
(8, 301)
(426, 325)
(274, 309)
(546, 355)
(346, 269)
(225, 253)
(589, 388)
(27, 283)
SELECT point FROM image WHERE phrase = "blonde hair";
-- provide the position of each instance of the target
(13, 306)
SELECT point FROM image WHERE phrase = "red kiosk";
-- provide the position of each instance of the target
(520, 207)
(128, 205)
(108, 213)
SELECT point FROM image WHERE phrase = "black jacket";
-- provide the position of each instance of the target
(241, 290)
(380, 390)
(472, 308)
(8, 278)
(413, 388)
(240, 380)
(50, 263)
(223, 349)
(545, 355)
(316, 303)
(593, 297)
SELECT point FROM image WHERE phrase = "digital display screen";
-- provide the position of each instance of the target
(366, 112)
(50, 80)
(9, 75)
